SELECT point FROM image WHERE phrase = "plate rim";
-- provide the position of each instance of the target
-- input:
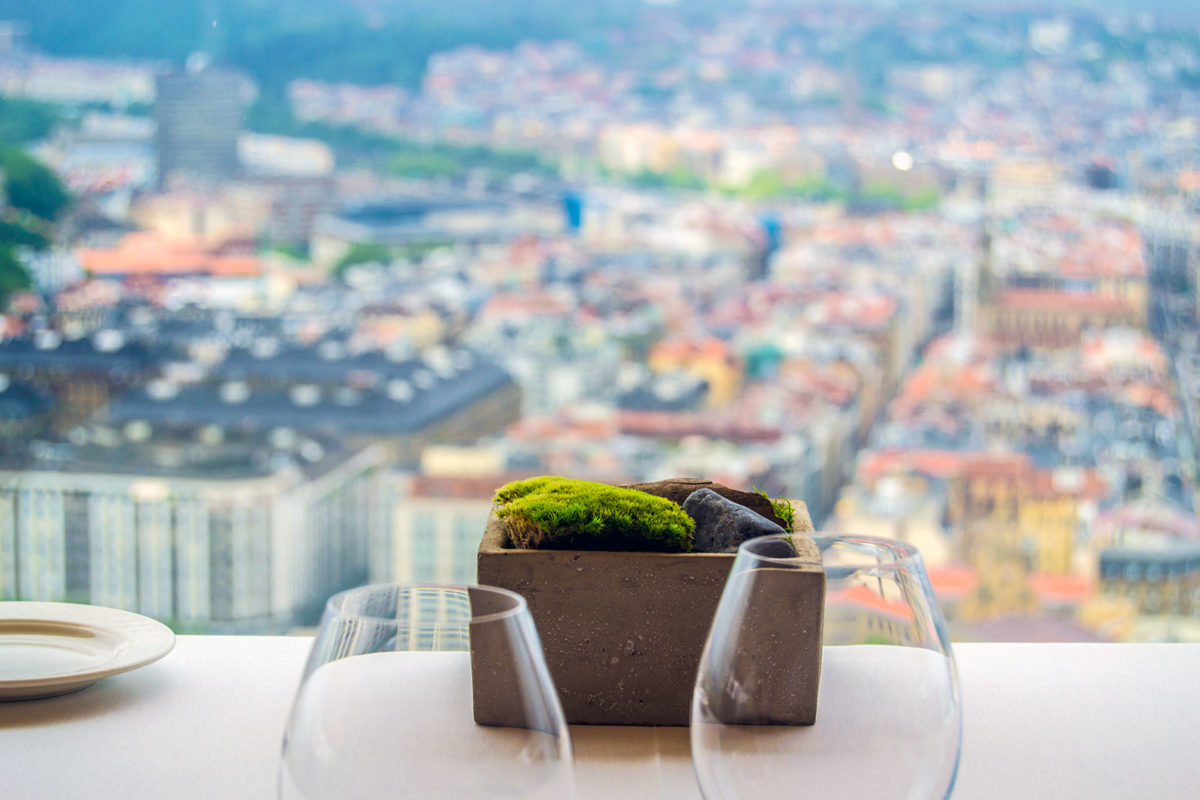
(156, 637)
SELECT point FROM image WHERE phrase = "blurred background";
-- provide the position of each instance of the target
(289, 288)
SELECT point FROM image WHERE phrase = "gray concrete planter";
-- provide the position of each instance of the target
(622, 631)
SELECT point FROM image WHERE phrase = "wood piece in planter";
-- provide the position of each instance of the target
(677, 491)
(722, 525)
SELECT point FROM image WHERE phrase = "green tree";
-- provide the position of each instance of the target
(922, 199)
(764, 185)
(37, 198)
(677, 177)
(31, 186)
(25, 120)
(770, 185)
(815, 187)
(885, 193)
(363, 253)
(894, 197)
(412, 163)
(24, 233)
(13, 275)
(292, 250)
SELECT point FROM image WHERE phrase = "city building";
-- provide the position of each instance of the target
(220, 532)
(405, 223)
(79, 375)
(1148, 552)
(24, 413)
(1003, 505)
(285, 208)
(107, 154)
(437, 524)
(858, 615)
(1021, 183)
(199, 113)
(400, 401)
(118, 83)
(700, 249)
(149, 256)
(1044, 319)
(1161, 581)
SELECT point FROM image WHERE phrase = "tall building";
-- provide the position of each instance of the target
(221, 532)
(1172, 242)
(199, 112)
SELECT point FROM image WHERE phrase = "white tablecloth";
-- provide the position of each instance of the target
(1052, 721)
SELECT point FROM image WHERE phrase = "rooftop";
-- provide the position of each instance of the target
(105, 352)
(212, 454)
(20, 400)
(147, 255)
(1054, 300)
(391, 407)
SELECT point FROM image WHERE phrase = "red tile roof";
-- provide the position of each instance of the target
(1083, 483)
(953, 582)
(685, 349)
(522, 305)
(864, 597)
(673, 425)
(464, 488)
(1061, 590)
(865, 312)
(936, 463)
(1054, 300)
(1111, 251)
(144, 254)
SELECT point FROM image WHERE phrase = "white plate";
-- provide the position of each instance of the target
(54, 648)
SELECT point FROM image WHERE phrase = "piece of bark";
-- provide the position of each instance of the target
(677, 491)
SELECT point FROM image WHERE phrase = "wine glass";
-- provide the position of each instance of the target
(888, 721)
(385, 706)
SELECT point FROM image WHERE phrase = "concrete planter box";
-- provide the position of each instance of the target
(622, 631)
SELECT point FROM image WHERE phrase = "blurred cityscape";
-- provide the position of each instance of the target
(933, 272)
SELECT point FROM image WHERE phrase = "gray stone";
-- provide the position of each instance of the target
(722, 525)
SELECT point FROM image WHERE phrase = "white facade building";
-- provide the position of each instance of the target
(233, 551)
(437, 524)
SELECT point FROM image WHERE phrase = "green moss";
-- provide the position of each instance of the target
(783, 509)
(564, 514)
(517, 489)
